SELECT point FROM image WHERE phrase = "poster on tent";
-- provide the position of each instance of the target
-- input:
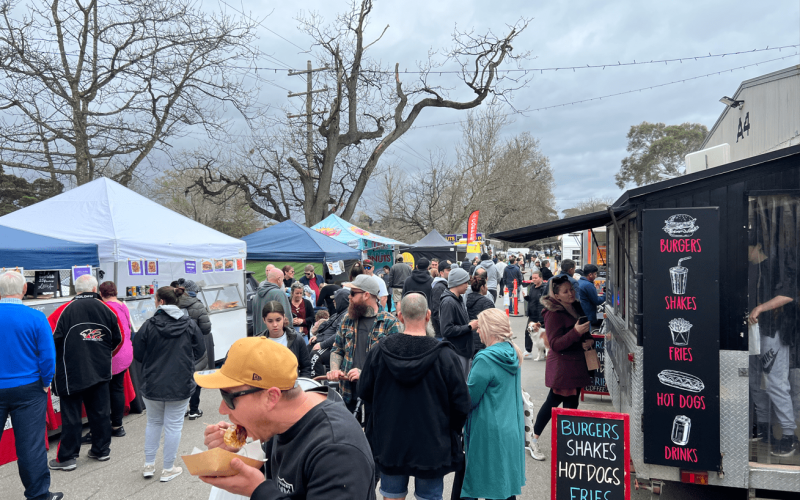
(151, 267)
(135, 267)
(207, 266)
(230, 265)
(190, 266)
(240, 264)
(78, 271)
(219, 265)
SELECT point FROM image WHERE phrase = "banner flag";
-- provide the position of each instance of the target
(472, 227)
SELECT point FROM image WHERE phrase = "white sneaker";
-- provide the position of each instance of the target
(536, 452)
(170, 474)
(149, 470)
(527, 355)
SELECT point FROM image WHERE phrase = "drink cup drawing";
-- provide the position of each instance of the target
(679, 328)
(679, 276)
(681, 427)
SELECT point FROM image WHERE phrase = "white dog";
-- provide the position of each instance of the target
(539, 337)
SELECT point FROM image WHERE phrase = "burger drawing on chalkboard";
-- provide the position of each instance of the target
(680, 226)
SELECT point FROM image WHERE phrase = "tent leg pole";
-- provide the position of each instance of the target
(116, 274)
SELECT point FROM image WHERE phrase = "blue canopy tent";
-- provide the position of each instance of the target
(34, 251)
(289, 241)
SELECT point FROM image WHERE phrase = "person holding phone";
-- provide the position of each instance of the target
(566, 372)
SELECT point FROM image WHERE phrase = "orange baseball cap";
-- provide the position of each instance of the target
(255, 361)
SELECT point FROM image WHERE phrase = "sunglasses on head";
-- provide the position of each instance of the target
(230, 397)
(561, 279)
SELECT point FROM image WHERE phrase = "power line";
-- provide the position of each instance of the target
(618, 64)
(262, 25)
(619, 93)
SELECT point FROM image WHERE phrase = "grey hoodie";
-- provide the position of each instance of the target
(492, 274)
(268, 292)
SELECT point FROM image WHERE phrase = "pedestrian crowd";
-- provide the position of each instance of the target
(423, 376)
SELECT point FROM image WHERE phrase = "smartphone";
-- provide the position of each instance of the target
(582, 320)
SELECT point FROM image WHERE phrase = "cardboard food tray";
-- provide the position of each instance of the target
(216, 462)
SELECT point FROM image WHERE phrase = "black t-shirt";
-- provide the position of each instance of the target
(363, 331)
(324, 455)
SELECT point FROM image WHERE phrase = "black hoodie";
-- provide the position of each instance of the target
(168, 348)
(326, 334)
(419, 281)
(420, 403)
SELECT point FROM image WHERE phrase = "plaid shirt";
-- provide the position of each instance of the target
(345, 344)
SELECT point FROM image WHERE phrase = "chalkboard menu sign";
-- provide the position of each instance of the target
(597, 382)
(591, 455)
(46, 281)
(680, 252)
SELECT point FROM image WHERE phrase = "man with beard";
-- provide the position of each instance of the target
(361, 328)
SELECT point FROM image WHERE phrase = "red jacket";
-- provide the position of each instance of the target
(87, 334)
(566, 363)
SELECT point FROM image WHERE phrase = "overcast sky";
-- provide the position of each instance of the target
(585, 142)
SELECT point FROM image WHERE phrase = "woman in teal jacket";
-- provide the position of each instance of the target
(495, 433)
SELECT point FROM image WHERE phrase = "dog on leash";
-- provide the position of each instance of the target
(539, 337)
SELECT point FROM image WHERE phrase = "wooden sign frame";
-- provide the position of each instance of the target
(619, 417)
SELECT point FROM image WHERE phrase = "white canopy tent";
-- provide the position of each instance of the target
(126, 225)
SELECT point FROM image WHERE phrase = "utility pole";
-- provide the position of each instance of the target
(309, 114)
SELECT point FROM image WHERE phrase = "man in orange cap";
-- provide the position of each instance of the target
(318, 449)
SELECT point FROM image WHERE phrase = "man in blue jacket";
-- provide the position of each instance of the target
(587, 294)
(27, 365)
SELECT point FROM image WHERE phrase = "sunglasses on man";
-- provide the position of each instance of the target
(367, 267)
(230, 397)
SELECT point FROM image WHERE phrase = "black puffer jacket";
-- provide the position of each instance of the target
(168, 348)
(197, 311)
(298, 348)
(476, 304)
(534, 305)
(419, 281)
(326, 334)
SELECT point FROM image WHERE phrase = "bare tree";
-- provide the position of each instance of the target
(367, 108)
(92, 88)
(588, 206)
(510, 181)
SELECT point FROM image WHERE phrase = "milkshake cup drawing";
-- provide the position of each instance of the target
(679, 328)
(679, 275)
(681, 427)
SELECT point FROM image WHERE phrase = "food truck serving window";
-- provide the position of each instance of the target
(774, 336)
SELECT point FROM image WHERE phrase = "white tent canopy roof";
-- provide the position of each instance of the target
(123, 224)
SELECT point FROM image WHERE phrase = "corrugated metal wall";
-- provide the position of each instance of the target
(772, 111)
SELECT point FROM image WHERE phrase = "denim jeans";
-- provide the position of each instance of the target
(424, 489)
(27, 405)
(166, 416)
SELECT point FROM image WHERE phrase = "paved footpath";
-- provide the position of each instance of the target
(120, 477)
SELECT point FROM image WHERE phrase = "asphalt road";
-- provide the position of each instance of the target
(121, 478)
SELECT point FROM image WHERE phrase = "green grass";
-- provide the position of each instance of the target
(258, 266)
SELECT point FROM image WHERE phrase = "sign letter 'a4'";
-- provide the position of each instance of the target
(680, 257)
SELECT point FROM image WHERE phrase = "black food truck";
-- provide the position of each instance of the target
(702, 310)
